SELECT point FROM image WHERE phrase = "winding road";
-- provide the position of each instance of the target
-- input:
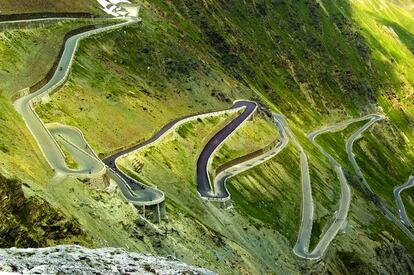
(48, 137)
(341, 214)
(301, 248)
(373, 118)
(147, 193)
(51, 137)
(400, 204)
(350, 143)
(221, 192)
(204, 186)
(138, 193)
(71, 138)
(349, 147)
(24, 105)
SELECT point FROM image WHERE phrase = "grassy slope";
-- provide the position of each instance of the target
(171, 164)
(360, 74)
(386, 162)
(386, 152)
(255, 134)
(161, 81)
(287, 61)
(32, 220)
(307, 61)
(22, 49)
(176, 151)
(408, 199)
(24, 6)
(29, 53)
(126, 100)
(29, 221)
(335, 143)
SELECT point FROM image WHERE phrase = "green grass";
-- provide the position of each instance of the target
(70, 161)
(175, 156)
(311, 63)
(29, 54)
(140, 94)
(255, 134)
(385, 160)
(277, 204)
(23, 6)
(170, 164)
(407, 197)
(335, 142)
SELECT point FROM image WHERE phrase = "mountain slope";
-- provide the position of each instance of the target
(315, 62)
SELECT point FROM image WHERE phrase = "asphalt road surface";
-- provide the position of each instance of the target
(223, 176)
(24, 105)
(204, 186)
(140, 194)
(71, 138)
(147, 193)
(302, 246)
(400, 204)
(349, 146)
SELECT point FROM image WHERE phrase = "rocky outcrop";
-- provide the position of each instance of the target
(31, 222)
(72, 259)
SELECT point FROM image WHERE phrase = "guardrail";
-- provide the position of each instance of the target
(131, 195)
(250, 163)
(210, 159)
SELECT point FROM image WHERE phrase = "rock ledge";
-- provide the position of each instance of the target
(73, 259)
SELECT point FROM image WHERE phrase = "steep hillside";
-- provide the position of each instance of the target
(32, 222)
(27, 56)
(314, 62)
(42, 6)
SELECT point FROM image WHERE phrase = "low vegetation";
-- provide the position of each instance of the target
(42, 6)
(315, 62)
(257, 133)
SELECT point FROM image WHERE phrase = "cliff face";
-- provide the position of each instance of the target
(80, 260)
(30, 221)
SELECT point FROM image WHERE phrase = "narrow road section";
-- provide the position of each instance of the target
(349, 148)
(204, 186)
(345, 200)
(400, 204)
(149, 194)
(71, 138)
(24, 105)
(222, 177)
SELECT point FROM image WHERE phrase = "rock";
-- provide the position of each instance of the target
(79, 260)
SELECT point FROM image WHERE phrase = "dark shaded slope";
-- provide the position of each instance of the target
(31, 222)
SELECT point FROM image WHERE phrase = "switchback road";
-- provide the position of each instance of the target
(204, 186)
(71, 138)
(400, 204)
(223, 176)
(349, 146)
